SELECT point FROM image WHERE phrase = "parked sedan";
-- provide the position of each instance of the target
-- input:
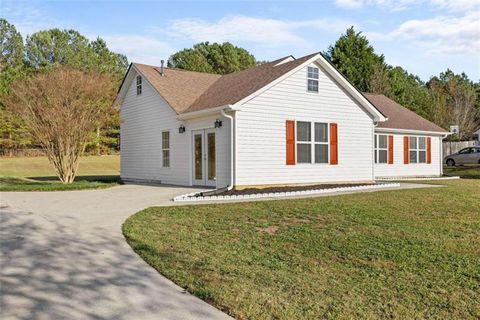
(469, 155)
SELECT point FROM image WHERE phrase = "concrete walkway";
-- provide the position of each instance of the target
(63, 256)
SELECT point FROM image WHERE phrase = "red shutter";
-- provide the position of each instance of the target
(333, 144)
(390, 149)
(429, 150)
(290, 142)
(405, 150)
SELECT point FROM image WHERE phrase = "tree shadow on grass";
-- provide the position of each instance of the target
(49, 270)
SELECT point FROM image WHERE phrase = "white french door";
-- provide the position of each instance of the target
(204, 160)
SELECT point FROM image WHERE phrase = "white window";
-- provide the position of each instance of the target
(312, 79)
(381, 148)
(312, 148)
(139, 85)
(418, 150)
(166, 149)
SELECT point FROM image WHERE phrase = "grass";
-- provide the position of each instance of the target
(392, 254)
(472, 172)
(37, 174)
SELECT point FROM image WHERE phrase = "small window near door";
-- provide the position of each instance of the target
(139, 85)
(166, 149)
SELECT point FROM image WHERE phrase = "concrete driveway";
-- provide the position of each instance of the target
(63, 256)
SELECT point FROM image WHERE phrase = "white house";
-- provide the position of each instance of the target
(289, 121)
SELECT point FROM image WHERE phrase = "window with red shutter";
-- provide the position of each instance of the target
(406, 150)
(333, 143)
(290, 134)
(390, 149)
(429, 150)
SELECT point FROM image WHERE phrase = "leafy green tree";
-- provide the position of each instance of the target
(355, 58)
(213, 58)
(409, 91)
(456, 98)
(48, 48)
(13, 131)
(106, 61)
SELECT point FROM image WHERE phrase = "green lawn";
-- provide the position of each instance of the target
(37, 174)
(472, 172)
(392, 254)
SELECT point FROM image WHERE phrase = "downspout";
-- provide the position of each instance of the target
(232, 146)
(375, 124)
(441, 154)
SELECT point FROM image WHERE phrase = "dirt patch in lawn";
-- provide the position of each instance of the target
(248, 191)
(271, 230)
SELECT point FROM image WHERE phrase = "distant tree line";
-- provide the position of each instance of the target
(446, 99)
(42, 52)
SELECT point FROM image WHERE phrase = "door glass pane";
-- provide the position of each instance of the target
(198, 157)
(211, 155)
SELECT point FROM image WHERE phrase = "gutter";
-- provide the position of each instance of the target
(411, 131)
(206, 112)
(232, 146)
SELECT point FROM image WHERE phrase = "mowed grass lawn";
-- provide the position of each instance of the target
(404, 254)
(37, 174)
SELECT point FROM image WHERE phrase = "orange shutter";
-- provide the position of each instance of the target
(405, 150)
(390, 149)
(333, 144)
(290, 142)
(429, 150)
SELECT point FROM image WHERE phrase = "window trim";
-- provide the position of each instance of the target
(312, 143)
(376, 149)
(139, 82)
(313, 79)
(166, 149)
(417, 150)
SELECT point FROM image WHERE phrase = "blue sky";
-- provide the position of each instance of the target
(426, 37)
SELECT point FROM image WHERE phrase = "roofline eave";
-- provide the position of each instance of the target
(412, 131)
(207, 112)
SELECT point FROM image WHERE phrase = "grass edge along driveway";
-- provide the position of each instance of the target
(403, 254)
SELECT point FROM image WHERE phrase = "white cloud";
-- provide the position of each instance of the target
(444, 34)
(260, 31)
(137, 48)
(457, 5)
(26, 17)
(395, 5)
(349, 4)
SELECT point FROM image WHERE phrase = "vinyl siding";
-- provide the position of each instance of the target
(399, 169)
(261, 138)
(143, 118)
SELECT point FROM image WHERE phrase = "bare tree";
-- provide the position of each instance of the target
(62, 108)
